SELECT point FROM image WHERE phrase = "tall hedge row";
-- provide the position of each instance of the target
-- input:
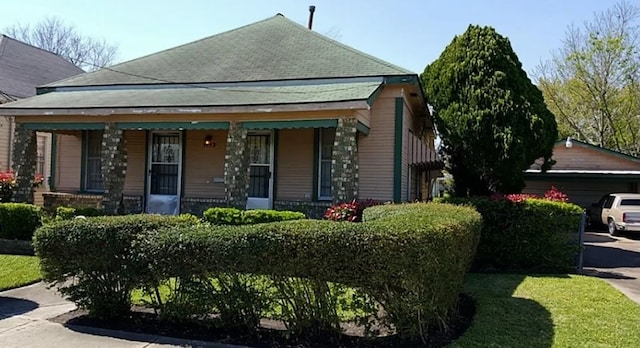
(532, 235)
(410, 259)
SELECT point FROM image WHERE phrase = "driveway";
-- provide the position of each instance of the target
(614, 259)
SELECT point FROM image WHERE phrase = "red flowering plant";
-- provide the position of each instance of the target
(349, 211)
(8, 184)
(553, 194)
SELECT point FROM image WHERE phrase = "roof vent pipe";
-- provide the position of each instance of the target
(312, 9)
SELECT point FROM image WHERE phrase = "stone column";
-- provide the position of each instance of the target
(114, 169)
(236, 166)
(24, 163)
(344, 164)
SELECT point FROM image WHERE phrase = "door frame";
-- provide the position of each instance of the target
(270, 192)
(148, 165)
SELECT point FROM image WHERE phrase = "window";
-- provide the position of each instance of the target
(609, 202)
(630, 202)
(325, 147)
(40, 154)
(93, 180)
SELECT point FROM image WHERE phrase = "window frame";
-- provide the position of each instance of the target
(320, 162)
(86, 135)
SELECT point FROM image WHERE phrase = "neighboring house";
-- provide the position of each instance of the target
(269, 115)
(22, 68)
(585, 173)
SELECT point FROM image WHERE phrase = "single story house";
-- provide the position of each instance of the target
(585, 172)
(22, 68)
(268, 115)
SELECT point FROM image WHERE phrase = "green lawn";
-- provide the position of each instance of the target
(549, 311)
(16, 271)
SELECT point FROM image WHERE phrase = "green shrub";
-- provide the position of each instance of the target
(65, 213)
(233, 216)
(528, 235)
(107, 256)
(19, 220)
(223, 216)
(411, 261)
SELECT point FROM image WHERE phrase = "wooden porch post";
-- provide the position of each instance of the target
(344, 164)
(24, 163)
(236, 166)
(114, 169)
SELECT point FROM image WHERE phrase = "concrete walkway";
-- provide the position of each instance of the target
(23, 323)
(616, 260)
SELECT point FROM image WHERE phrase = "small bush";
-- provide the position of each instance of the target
(68, 213)
(19, 220)
(351, 211)
(8, 185)
(235, 217)
(526, 234)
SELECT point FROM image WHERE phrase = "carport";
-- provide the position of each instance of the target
(585, 173)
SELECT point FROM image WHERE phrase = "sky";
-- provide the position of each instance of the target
(410, 33)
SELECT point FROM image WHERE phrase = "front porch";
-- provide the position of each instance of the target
(172, 167)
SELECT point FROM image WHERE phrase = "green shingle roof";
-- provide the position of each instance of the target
(198, 96)
(273, 49)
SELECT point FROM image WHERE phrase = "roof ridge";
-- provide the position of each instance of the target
(349, 48)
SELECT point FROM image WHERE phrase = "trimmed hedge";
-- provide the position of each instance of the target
(236, 217)
(67, 213)
(532, 235)
(410, 259)
(19, 220)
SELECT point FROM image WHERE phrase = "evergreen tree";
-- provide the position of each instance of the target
(492, 120)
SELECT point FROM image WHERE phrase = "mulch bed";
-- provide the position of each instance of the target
(271, 333)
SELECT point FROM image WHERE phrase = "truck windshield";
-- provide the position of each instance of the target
(630, 202)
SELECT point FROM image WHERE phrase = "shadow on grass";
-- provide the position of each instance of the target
(503, 320)
(10, 306)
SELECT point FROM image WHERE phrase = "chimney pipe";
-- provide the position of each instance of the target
(312, 9)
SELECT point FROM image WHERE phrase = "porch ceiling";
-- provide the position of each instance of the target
(190, 98)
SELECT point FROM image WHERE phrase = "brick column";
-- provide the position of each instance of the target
(344, 164)
(24, 163)
(114, 169)
(236, 166)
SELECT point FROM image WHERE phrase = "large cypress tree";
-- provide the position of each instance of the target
(492, 120)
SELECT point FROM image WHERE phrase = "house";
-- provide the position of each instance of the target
(585, 172)
(22, 68)
(269, 115)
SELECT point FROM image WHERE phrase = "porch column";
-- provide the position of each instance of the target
(114, 169)
(344, 164)
(236, 166)
(24, 163)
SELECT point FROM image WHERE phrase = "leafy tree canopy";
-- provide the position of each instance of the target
(492, 120)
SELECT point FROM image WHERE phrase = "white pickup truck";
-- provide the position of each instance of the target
(618, 211)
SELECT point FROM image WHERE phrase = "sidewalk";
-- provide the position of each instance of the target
(23, 323)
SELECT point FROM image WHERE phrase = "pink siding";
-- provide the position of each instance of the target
(295, 165)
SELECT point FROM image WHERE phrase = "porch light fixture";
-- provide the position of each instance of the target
(208, 141)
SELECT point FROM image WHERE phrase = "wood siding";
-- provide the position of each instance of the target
(580, 157)
(582, 191)
(5, 143)
(294, 178)
(68, 162)
(136, 162)
(375, 150)
(203, 165)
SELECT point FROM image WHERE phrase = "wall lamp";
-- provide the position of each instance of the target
(208, 141)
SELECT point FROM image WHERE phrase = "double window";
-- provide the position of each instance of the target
(92, 146)
(325, 148)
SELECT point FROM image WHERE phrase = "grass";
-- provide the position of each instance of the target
(18, 271)
(549, 311)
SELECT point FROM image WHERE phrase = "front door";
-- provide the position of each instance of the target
(163, 190)
(260, 169)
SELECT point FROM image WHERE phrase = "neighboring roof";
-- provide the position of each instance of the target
(273, 49)
(578, 171)
(201, 96)
(598, 148)
(24, 67)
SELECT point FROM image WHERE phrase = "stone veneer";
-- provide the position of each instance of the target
(114, 169)
(344, 163)
(24, 163)
(236, 166)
